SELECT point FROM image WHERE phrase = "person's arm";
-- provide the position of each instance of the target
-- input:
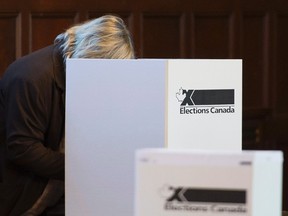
(27, 119)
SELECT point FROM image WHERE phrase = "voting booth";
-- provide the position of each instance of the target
(115, 107)
(205, 183)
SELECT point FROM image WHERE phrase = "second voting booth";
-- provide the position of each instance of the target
(209, 183)
(115, 107)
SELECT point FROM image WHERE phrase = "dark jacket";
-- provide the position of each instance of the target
(31, 128)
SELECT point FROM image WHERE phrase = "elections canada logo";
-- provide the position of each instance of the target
(205, 101)
(220, 201)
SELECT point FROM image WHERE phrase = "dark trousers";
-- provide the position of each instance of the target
(57, 210)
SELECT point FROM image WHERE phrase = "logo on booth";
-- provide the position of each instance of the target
(204, 200)
(205, 101)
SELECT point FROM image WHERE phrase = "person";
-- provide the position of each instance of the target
(32, 110)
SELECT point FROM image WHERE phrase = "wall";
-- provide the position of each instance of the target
(253, 30)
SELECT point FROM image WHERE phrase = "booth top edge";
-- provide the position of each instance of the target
(151, 59)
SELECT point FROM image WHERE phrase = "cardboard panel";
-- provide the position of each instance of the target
(112, 108)
(205, 104)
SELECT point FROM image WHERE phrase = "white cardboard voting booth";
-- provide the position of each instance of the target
(205, 183)
(114, 107)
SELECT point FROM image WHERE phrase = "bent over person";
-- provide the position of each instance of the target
(32, 113)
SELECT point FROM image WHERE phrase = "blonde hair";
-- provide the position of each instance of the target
(104, 37)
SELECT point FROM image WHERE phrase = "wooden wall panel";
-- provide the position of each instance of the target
(206, 25)
(46, 26)
(255, 63)
(162, 35)
(281, 73)
(9, 39)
